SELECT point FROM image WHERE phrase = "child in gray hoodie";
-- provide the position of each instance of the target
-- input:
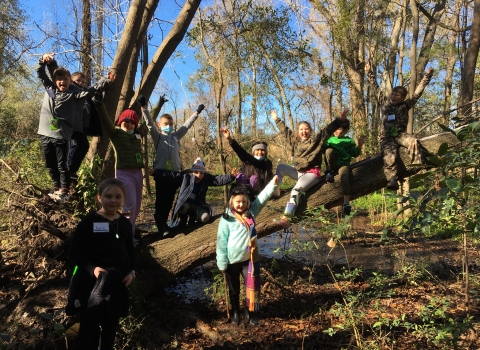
(56, 122)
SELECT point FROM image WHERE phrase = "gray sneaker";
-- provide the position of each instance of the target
(329, 176)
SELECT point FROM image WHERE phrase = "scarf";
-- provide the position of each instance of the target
(253, 282)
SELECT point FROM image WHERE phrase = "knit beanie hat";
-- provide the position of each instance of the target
(199, 165)
(260, 145)
(128, 114)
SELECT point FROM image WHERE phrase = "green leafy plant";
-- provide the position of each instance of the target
(88, 178)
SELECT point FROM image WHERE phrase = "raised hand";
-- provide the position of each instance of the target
(275, 180)
(141, 100)
(430, 70)
(234, 171)
(273, 114)
(200, 108)
(344, 114)
(48, 57)
(111, 76)
(226, 133)
(361, 141)
(163, 100)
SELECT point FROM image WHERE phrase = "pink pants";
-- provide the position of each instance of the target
(133, 181)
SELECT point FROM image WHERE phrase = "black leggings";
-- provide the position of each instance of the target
(88, 336)
(233, 276)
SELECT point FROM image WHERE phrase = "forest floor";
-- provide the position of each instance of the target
(394, 293)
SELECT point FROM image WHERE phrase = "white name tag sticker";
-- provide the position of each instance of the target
(391, 117)
(138, 136)
(100, 227)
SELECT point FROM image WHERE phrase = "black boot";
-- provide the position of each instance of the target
(235, 316)
(247, 314)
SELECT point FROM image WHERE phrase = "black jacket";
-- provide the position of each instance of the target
(187, 188)
(91, 248)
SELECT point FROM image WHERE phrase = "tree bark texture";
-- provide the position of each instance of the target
(470, 61)
(190, 249)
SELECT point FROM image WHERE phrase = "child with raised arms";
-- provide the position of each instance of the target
(167, 161)
(307, 159)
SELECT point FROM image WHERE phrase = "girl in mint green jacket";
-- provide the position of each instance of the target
(237, 251)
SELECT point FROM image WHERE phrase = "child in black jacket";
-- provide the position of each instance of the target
(102, 250)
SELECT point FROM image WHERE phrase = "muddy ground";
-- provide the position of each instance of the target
(395, 293)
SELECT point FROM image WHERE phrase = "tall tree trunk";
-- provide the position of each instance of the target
(470, 61)
(450, 64)
(120, 67)
(86, 50)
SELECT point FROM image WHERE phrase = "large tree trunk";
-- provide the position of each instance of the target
(470, 61)
(186, 251)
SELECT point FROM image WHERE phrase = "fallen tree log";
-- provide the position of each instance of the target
(188, 250)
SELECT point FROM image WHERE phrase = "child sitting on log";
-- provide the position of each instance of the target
(307, 159)
(338, 155)
(394, 124)
(191, 204)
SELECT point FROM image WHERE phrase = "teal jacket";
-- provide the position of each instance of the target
(233, 237)
(344, 149)
(127, 147)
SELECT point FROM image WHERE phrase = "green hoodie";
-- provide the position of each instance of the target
(344, 149)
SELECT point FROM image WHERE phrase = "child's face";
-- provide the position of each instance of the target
(165, 122)
(111, 199)
(240, 203)
(63, 83)
(127, 125)
(340, 132)
(304, 132)
(198, 175)
(80, 81)
(396, 98)
(259, 152)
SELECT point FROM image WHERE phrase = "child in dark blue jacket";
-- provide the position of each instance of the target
(191, 200)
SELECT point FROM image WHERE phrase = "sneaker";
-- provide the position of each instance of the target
(61, 196)
(329, 176)
(55, 194)
(392, 184)
(346, 209)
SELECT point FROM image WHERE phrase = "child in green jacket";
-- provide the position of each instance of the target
(338, 155)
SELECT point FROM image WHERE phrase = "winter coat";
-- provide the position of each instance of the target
(307, 154)
(167, 146)
(233, 237)
(127, 147)
(91, 247)
(188, 183)
(399, 110)
(61, 106)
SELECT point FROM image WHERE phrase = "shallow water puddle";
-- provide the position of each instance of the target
(385, 259)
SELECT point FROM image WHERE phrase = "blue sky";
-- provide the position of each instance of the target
(175, 75)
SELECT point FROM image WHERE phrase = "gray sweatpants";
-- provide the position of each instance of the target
(304, 180)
